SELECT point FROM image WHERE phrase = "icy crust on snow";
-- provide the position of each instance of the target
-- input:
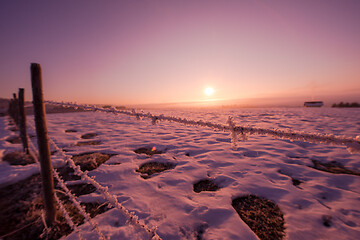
(261, 165)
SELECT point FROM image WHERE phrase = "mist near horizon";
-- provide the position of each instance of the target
(248, 103)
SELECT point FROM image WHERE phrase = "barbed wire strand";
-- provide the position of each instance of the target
(132, 218)
(352, 144)
(72, 198)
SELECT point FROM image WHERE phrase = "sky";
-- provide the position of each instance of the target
(142, 52)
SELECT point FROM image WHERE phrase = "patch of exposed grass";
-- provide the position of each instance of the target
(205, 185)
(333, 167)
(148, 151)
(15, 201)
(67, 174)
(90, 161)
(296, 182)
(88, 135)
(14, 139)
(327, 220)
(81, 189)
(70, 130)
(18, 158)
(94, 143)
(261, 215)
(21, 207)
(149, 168)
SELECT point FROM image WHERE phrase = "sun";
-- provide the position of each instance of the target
(209, 91)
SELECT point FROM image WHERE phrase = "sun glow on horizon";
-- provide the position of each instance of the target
(209, 91)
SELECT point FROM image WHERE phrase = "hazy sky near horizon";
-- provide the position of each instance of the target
(135, 52)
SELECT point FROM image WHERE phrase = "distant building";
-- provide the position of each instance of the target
(314, 104)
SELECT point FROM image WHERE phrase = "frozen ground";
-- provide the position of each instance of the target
(261, 165)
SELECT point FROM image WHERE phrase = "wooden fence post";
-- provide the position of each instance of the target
(43, 143)
(22, 121)
(10, 107)
(15, 110)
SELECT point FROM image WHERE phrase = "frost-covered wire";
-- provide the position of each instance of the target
(72, 198)
(78, 205)
(132, 218)
(68, 218)
(233, 133)
(352, 144)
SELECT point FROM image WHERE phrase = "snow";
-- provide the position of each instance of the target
(260, 165)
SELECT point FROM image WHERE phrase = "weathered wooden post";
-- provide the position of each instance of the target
(43, 143)
(22, 121)
(10, 107)
(15, 111)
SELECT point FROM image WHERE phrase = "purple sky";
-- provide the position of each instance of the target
(135, 52)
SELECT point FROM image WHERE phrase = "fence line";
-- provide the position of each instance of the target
(68, 218)
(352, 144)
(132, 218)
(236, 132)
(77, 205)
(67, 192)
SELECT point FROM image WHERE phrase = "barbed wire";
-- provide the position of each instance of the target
(352, 144)
(71, 196)
(132, 218)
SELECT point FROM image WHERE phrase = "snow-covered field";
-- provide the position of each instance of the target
(261, 165)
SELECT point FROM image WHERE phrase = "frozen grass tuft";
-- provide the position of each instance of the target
(149, 168)
(87, 143)
(88, 135)
(70, 130)
(296, 182)
(327, 220)
(261, 215)
(334, 167)
(14, 139)
(81, 189)
(20, 211)
(205, 185)
(148, 151)
(90, 161)
(18, 158)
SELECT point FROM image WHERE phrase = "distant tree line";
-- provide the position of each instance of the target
(346, 105)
